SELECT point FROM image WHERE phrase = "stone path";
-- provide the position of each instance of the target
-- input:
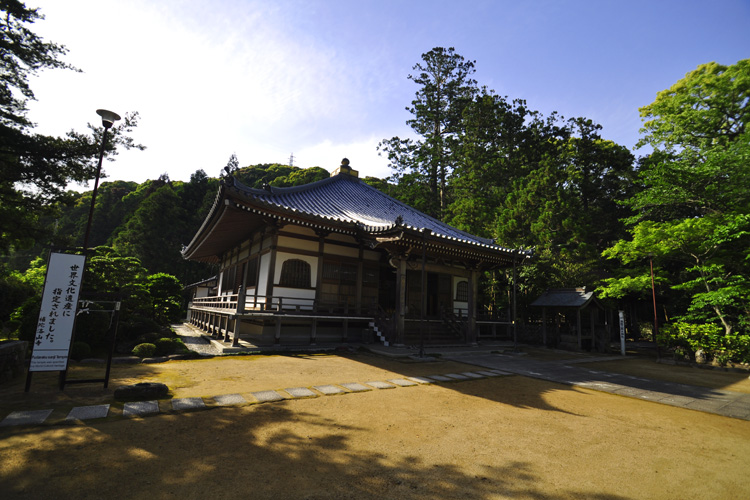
(155, 407)
(195, 340)
(720, 402)
(569, 372)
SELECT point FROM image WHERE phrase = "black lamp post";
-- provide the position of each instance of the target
(108, 119)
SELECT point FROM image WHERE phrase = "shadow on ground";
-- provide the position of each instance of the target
(265, 451)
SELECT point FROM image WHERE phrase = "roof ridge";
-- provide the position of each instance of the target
(280, 190)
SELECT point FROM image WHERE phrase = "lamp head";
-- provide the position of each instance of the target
(108, 117)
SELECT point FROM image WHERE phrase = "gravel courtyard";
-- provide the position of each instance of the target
(498, 437)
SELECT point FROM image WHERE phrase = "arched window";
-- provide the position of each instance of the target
(462, 291)
(295, 273)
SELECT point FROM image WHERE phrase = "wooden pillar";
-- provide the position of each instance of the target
(401, 300)
(314, 331)
(360, 280)
(578, 327)
(271, 270)
(515, 308)
(544, 326)
(257, 268)
(593, 329)
(319, 272)
(277, 333)
(226, 329)
(241, 298)
(471, 322)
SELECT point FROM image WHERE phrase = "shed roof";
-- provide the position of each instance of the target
(576, 298)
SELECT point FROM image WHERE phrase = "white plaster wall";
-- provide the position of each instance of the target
(265, 261)
(282, 256)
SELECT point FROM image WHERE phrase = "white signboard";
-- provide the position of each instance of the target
(54, 330)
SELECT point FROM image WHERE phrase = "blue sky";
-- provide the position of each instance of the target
(328, 79)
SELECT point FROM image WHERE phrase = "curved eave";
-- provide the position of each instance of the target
(239, 210)
(411, 240)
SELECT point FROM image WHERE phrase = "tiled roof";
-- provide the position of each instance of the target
(341, 203)
(345, 199)
(564, 297)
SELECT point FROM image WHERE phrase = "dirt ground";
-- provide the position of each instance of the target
(505, 437)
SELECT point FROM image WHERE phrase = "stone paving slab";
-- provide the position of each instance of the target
(488, 373)
(300, 392)
(472, 375)
(457, 376)
(501, 372)
(377, 384)
(329, 390)
(229, 400)
(654, 395)
(601, 386)
(88, 412)
(682, 401)
(140, 408)
(630, 392)
(181, 404)
(731, 410)
(421, 380)
(401, 382)
(267, 396)
(29, 417)
(441, 378)
(356, 387)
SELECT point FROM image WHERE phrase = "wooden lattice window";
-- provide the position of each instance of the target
(295, 273)
(462, 291)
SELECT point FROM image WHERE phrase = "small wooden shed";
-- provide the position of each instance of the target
(573, 318)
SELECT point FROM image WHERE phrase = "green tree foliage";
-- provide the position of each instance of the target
(425, 164)
(155, 231)
(165, 291)
(497, 168)
(34, 169)
(149, 302)
(693, 215)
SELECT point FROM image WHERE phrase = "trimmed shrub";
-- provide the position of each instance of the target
(80, 350)
(709, 338)
(145, 350)
(166, 346)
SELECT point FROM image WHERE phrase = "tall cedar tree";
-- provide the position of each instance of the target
(425, 164)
